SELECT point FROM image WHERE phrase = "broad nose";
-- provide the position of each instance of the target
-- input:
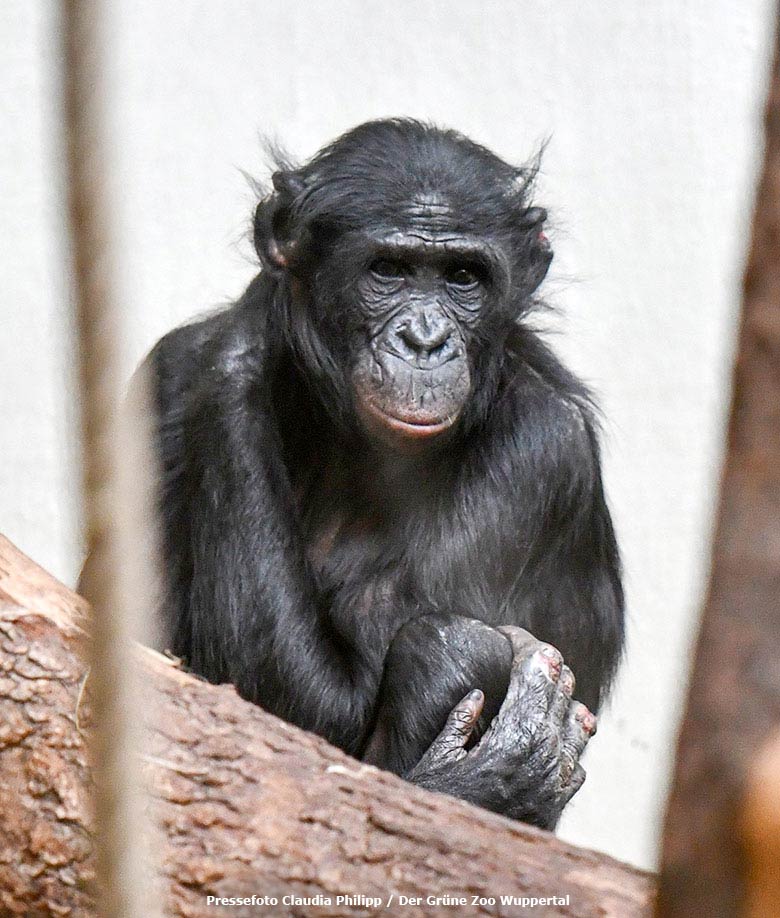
(425, 334)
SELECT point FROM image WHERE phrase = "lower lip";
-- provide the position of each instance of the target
(406, 428)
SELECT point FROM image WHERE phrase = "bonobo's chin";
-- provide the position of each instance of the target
(400, 428)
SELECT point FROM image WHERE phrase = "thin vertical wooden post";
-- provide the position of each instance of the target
(114, 479)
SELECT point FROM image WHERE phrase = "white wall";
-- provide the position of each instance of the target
(653, 113)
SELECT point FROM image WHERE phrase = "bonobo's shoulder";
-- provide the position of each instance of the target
(573, 417)
(540, 385)
(180, 350)
(567, 425)
(207, 351)
(549, 417)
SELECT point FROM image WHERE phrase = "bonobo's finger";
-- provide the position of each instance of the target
(459, 725)
(575, 782)
(524, 645)
(534, 683)
(521, 640)
(559, 707)
(536, 668)
(579, 728)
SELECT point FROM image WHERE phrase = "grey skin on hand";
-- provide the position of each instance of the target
(526, 765)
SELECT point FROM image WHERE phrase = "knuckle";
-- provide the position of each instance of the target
(577, 777)
(552, 654)
(536, 736)
(585, 719)
(460, 716)
(520, 639)
(461, 732)
(510, 630)
(548, 660)
(568, 764)
(446, 748)
(575, 782)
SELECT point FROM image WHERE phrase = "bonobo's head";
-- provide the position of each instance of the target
(404, 255)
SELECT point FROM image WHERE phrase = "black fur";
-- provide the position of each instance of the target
(298, 545)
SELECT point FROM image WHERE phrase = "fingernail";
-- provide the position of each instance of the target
(476, 695)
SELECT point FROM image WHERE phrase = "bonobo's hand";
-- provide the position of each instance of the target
(526, 766)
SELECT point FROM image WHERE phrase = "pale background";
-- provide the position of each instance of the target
(653, 113)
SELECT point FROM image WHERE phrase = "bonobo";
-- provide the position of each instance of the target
(381, 497)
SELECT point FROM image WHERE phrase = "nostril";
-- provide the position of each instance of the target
(410, 339)
(438, 347)
(425, 342)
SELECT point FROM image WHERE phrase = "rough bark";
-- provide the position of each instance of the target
(248, 804)
(734, 702)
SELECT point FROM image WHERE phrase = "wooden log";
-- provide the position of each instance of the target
(248, 805)
(734, 701)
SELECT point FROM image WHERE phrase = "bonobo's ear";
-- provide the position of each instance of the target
(273, 228)
(540, 252)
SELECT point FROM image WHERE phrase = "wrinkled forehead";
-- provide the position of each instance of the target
(429, 225)
(435, 197)
(442, 213)
(432, 211)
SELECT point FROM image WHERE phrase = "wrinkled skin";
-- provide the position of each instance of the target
(414, 372)
(526, 765)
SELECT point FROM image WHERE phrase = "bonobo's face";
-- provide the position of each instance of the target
(406, 256)
(423, 291)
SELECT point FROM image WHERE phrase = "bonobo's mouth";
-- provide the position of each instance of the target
(413, 428)
(401, 403)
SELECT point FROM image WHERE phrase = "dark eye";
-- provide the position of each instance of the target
(388, 268)
(460, 276)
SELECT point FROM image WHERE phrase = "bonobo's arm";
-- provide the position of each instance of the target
(526, 766)
(432, 662)
(240, 605)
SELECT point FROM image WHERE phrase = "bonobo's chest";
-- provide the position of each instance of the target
(348, 552)
(392, 567)
(388, 542)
